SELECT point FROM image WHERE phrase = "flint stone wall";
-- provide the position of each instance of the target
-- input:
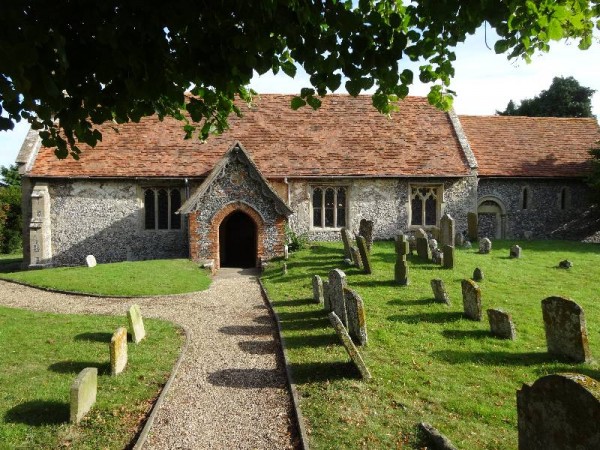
(543, 217)
(106, 219)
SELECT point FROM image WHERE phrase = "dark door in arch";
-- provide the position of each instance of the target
(237, 241)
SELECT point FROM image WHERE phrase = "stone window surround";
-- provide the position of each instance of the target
(324, 185)
(439, 204)
(142, 216)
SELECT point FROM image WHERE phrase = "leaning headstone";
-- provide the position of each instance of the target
(472, 226)
(317, 284)
(83, 394)
(501, 324)
(365, 229)
(118, 351)
(337, 283)
(356, 257)
(447, 230)
(478, 274)
(401, 266)
(565, 264)
(485, 246)
(439, 291)
(90, 261)
(136, 323)
(423, 250)
(326, 298)
(434, 439)
(559, 411)
(364, 254)
(448, 256)
(471, 300)
(421, 233)
(566, 332)
(286, 252)
(515, 251)
(346, 240)
(349, 345)
(357, 325)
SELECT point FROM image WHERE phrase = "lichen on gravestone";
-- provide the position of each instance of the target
(501, 324)
(356, 259)
(136, 323)
(346, 241)
(351, 349)
(471, 300)
(83, 394)
(485, 246)
(364, 254)
(439, 291)
(357, 325)
(337, 283)
(515, 251)
(447, 230)
(317, 284)
(365, 230)
(118, 351)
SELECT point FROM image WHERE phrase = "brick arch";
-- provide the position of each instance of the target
(218, 218)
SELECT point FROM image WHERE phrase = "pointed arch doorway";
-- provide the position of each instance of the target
(238, 241)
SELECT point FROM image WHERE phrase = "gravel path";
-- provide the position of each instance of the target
(230, 391)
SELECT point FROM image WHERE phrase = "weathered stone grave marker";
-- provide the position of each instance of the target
(439, 291)
(285, 269)
(346, 239)
(423, 249)
(559, 412)
(356, 259)
(357, 324)
(515, 251)
(459, 239)
(437, 256)
(477, 274)
(472, 226)
(286, 252)
(565, 264)
(90, 261)
(83, 393)
(136, 323)
(401, 266)
(118, 351)
(337, 283)
(447, 230)
(485, 246)
(326, 298)
(566, 333)
(501, 324)
(364, 254)
(317, 285)
(434, 439)
(365, 229)
(471, 300)
(433, 244)
(448, 256)
(353, 352)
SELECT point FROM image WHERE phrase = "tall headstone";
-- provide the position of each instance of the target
(136, 323)
(356, 259)
(501, 324)
(448, 256)
(90, 261)
(472, 226)
(326, 297)
(365, 229)
(337, 283)
(401, 266)
(423, 250)
(447, 230)
(559, 411)
(346, 240)
(566, 332)
(471, 300)
(83, 393)
(317, 284)
(364, 254)
(485, 246)
(439, 291)
(118, 351)
(353, 352)
(357, 325)
(515, 251)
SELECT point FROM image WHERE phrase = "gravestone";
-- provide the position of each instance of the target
(515, 251)
(364, 254)
(434, 439)
(433, 244)
(136, 324)
(501, 324)
(477, 274)
(337, 283)
(357, 325)
(471, 300)
(90, 261)
(485, 246)
(565, 264)
(317, 284)
(356, 259)
(459, 239)
(401, 267)
(448, 256)
(439, 291)
(566, 333)
(423, 250)
(421, 233)
(326, 298)
(467, 244)
(346, 240)
(365, 229)
(412, 244)
(559, 411)
(447, 230)
(437, 256)
(83, 394)
(118, 351)
(472, 226)
(286, 252)
(353, 352)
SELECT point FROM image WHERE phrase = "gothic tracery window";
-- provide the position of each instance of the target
(425, 204)
(329, 206)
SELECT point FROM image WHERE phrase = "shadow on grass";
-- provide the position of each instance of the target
(247, 378)
(493, 358)
(466, 334)
(38, 413)
(77, 366)
(375, 283)
(295, 302)
(439, 317)
(258, 347)
(317, 372)
(302, 315)
(93, 337)
(247, 330)
(319, 340)
(421, 301)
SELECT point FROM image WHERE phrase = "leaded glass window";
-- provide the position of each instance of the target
(329, 206)
(160, 206)
(425, 202)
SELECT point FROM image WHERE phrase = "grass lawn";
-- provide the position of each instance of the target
(137, 279)
(41, 356)
(429, 363)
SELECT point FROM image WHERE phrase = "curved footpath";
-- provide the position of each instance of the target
(230, 391)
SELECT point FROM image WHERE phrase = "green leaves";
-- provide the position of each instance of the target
(297, 102)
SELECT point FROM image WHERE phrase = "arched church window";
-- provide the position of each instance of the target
(425, 205)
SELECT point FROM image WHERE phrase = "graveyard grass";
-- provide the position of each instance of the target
(136, 279)
(429, 364)
(41, 356)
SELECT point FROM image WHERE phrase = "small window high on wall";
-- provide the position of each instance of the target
(329, 206)
(425, 205)
(564, 200)
(525, 198)
(160, 206)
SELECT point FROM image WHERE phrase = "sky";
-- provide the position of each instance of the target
(484, 82)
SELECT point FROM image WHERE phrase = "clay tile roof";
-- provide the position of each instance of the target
(531, 146)
(345, 137)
